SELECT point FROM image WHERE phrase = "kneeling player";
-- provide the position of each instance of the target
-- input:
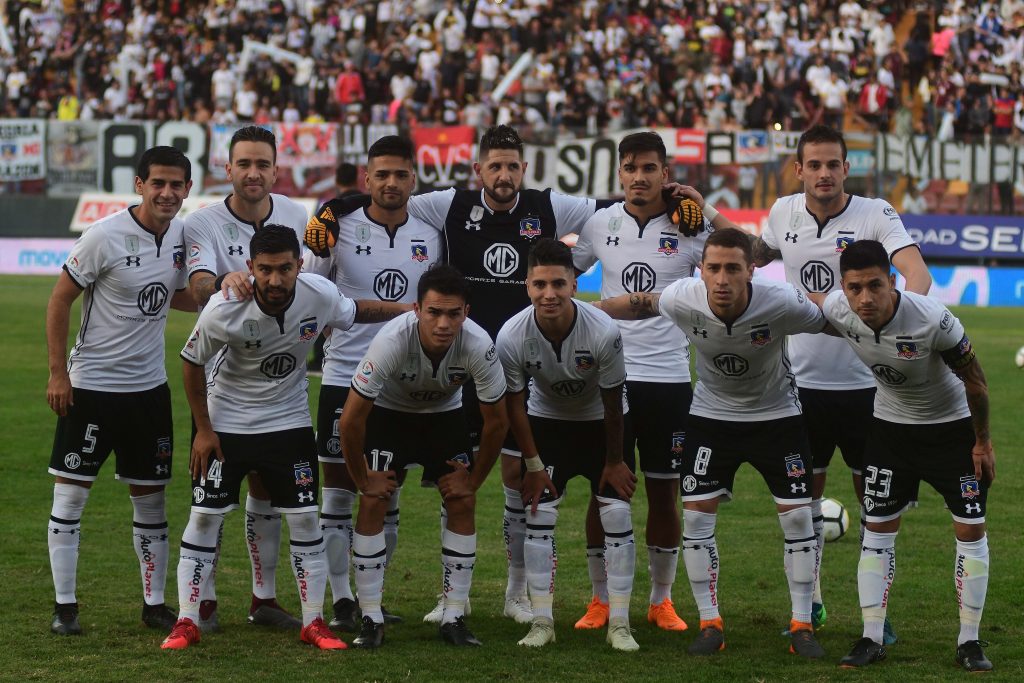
(928, 425)
(254, 416)
(573, 354)
(404, 409)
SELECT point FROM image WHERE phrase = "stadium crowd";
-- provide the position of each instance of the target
(598, 65)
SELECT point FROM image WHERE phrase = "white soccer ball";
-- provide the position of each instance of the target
(837, 520)
(1019, 358)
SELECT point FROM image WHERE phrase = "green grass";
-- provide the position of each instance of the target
(755, 601)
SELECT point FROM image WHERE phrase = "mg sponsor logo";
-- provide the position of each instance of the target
(501, 260)
(816, 276)
(278, 365)
(152, 298)
(730, 364)
(888, 375)
(390, 285)
(638, 277)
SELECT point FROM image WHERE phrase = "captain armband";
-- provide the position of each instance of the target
(960, 356)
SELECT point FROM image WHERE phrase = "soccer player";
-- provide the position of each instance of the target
(380, 253)
(809, 231)
(112, 393)
(571, 355)
(930, 423)
(405, 409)
(745, 409)
(253, 414)
(217, 237)
(642, 250)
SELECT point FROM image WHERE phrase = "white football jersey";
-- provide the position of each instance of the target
(369, 263)
(258, 382)
(129, 277)
(810, 254)
(645, 258)
(398, 374)
(565, 379)
(743, 370)
(218, 240)
(915, 386)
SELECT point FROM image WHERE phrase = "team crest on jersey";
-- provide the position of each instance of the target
(328, 215)
(795, 221)
(584, 360)
(795, 467)
(457, 376)
(842, 243)
(614, 225)
(906, 349)
(697, 318)
(678, 438)
(250, 329)
(303, 475)
(307, 329)
(163, 447)
(179, 256)
(969, 488)
(529, 228)
(476, 213)
(363, 233)
(760, 337)
(419, 253)
(532, 348)
(668, 245)
(461, 457)
(131, 243)
(232, 230)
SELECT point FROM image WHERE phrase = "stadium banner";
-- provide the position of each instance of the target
(72, 157)
(444, 156)
(976, 286)
(988, 237)
(685, 145)
(92, 206)
(784, 143)
(306, 144)
(927, 158)
(123, 142)
(33, 256)
(220, 139)
(752, 147)
(22, 149)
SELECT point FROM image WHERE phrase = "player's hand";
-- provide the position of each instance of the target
(321, 232)
(206, 442)
(620, 478)
(984, 458)
(457, 483)
(379, 484)
(535, 484)
(237, 285)
(683, 204)
(59, 394)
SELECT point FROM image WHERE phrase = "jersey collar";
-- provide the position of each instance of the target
(483, 200)
(238, 218)
(821, 224)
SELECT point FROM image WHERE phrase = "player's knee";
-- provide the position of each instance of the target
(796, 522)
(372, 510)
(699, 525)
(544, 518)
(256, 488)
(303, 526)
(460, 509)
(969, 532)
(615, 516)
(511, 471)
(662, 495)
(336, 476)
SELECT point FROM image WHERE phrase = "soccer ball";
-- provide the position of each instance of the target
(1019, 358)
(837, 520)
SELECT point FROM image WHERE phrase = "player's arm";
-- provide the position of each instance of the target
(961, 360)
(615, 473)
(58, 314)
(910, 264)
(182, 300)
(536, 479)
(369, 311)
(206, 442)
(322, 228)
(763, 254)
(492, 436)
(352, 429)
(203, 285)
(635, 306)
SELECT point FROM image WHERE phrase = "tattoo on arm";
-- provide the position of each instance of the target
(977, 398)
(203, 287)
(372, 313)
(644, 304)
(763, 254)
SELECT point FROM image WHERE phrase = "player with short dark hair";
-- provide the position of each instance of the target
(252, 414)
(404, 409)
(930, 423)
(111, 393)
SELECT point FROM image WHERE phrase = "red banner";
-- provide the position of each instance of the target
(444, 155)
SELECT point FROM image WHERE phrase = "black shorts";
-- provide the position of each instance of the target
(328, 412)
(837, 419)
(659, 412)
(899, 456)
(136, 426)
(397, 440)
(574, 448)
(475, 421)
(284, 461)
(715, 449)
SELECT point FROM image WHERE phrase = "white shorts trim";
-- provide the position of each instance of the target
(708, 496)
(144, 482)
(870, 518)
(68, 475)
(506, 451)
(215, 511)
(972, 520)
(661, 475)
(792, 501)
(330, 458)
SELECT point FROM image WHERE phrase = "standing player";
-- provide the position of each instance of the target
(809, 231)
(405, 409)
(218, 237)
(571, 356)
(112, 393)
(642, 250)
(380, 253)
(930, 423)
(745, 409)
(253, 414)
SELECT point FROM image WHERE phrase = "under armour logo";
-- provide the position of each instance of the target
(702, 333)
(162, 469)
(470, 225)
(306, 497)
(798, 488)
(855, 337)
(973, 507)
(533, 365)
(363, 250)
(611, 241)
(254, 344)
(235, 250)
(411, 376)
(791, 237)
(132, 261)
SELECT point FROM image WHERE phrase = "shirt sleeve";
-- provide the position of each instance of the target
(487, 372)
(207, 337)
(432, 208)
(571, 213)
(200, 246)
(375, 369)
(341, 310)
(950, 331)
(670, 303)
(515, 378)
(802, 314)
(611, 362)
(86, 262)
(583, 256)
(774, 216)
(833, 308)
(889, 228)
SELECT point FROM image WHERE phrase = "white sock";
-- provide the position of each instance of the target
(619, 554)
(799, 559)
(391, 526)
(818, 522)
(703, 564)
(661, 565)
(336, 525)
(514, 532)
(970, 575)
(63, 536)
(541, 559)
(263, 538)
(368, 557)
(458, 555)
(210, 586)
(598, 572)
(309, 563)
(149, 535)
(875, 573)
(198, 548)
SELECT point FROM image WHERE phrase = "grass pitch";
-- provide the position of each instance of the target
(755, 601)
